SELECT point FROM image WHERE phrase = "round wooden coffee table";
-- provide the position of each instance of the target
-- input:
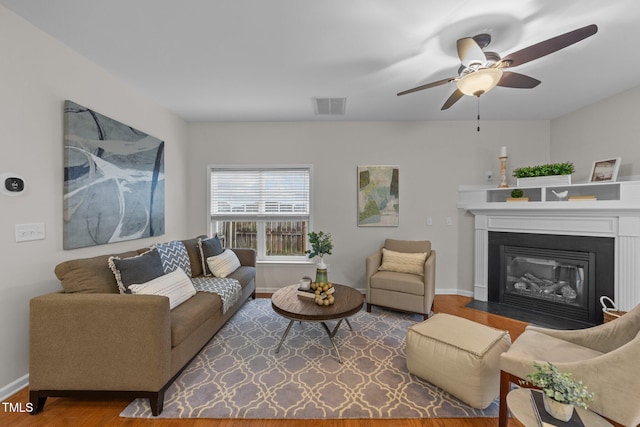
(287, 303)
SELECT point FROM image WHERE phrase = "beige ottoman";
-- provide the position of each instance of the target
(460, 356)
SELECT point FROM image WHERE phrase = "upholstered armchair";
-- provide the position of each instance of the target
(402, 275)
(605, 357)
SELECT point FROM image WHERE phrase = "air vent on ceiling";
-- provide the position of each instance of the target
(330, 106)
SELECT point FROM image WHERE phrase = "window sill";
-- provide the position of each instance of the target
(301, 263)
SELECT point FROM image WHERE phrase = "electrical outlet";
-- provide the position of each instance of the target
(429, 220)
(449, 220)
(489, 176)
(26, 232)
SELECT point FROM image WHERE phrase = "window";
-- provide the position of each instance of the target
(262, 207)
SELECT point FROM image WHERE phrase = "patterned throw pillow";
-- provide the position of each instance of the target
(224, 264)
(175, 285)
(174, 255)
(402, 262)
(208, 248)
(137, 269)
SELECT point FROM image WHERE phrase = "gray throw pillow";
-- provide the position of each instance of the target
(208, 248)
(136, 270)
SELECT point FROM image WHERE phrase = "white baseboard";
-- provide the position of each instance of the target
(454, 292)
(14, 387)
(438, 291)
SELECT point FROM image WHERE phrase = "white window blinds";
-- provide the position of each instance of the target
(260, 194)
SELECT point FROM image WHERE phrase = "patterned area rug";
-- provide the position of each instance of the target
(238, 374)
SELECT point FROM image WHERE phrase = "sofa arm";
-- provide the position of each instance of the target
(373, 262)
(429, 281)
(99, 342)
(247, 256)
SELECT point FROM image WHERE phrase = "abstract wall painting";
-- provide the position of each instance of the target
(113, 180)
(378, 196)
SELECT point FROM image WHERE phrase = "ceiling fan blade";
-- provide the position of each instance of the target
(518, 81)
(428, 85)
(546, 47)
(469, 51)
(455, 96)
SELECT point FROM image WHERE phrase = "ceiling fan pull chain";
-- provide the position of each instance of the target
(478, 114)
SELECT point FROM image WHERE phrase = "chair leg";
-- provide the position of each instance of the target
(503, 411)
(368, 308)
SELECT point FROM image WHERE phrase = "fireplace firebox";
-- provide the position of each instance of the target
(555, 275)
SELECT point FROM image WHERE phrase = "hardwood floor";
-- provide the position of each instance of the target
(87, 413)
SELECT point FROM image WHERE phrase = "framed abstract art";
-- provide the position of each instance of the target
(378, 196)
(113, 180)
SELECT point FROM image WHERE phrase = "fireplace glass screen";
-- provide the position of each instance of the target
(546, 276)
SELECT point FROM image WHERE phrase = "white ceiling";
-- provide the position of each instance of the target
(265, 60)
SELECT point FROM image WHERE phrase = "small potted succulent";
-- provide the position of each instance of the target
(517, 196)
(560, 392)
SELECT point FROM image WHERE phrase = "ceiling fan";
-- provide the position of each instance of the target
(481, 71)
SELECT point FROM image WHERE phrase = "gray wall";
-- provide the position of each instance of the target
(434, 159)
(609, 128)
(38, 74)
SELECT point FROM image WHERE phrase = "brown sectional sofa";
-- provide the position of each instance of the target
(90, 340)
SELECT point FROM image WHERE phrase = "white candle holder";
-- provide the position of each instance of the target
(503, 172)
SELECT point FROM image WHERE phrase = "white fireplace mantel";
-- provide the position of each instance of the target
(599, 209)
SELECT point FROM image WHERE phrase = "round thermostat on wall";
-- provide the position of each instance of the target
(11, 184)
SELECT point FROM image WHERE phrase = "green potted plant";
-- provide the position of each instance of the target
(321, 245)
(561, 393)
(517, 196)
(532, 175)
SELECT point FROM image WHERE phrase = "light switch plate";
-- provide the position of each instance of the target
(33, 231)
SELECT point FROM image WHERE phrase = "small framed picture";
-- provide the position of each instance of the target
(605, 170)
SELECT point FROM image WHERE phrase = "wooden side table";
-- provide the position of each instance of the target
(519, 403)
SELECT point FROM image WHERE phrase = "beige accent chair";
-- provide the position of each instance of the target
(604, 357)
(402, 291)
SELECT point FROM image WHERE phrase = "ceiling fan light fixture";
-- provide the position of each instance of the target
(479, 82)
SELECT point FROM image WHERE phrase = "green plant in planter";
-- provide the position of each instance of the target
(320, 244)
(566, 168)
(517, 193)
(559, 386)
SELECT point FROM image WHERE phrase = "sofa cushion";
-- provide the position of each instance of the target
(398, 282)
(194, 255)
(89, 275)
(136, 269)
(224, 264)
(244, 275)
(174, 255)
(208, 248)
(175, 285)
(401, 262)
(187, 317)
